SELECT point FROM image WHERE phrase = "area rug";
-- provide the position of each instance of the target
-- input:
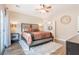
(45, 49)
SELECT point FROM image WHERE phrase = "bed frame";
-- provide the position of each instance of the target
(37, 42)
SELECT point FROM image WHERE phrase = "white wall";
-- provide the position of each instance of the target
(47, 23)
(21, 18)
(78, 24)
(65, 31)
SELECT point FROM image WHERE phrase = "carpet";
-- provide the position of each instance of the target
(45, 49)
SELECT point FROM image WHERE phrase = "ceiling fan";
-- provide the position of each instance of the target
(44, 8)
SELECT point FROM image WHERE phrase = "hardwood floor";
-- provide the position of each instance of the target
(63, 49)
(14, 49)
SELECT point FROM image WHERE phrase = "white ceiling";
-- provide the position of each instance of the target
(30, 9)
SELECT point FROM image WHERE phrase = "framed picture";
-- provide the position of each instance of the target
(65, 19)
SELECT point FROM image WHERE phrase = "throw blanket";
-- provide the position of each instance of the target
(27, 37)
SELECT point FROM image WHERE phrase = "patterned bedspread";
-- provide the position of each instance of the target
(29, 37)
(41, 35)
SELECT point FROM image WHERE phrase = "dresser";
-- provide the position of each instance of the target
(72, 46)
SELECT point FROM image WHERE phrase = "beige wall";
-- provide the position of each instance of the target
(21, 18)
(65, 31)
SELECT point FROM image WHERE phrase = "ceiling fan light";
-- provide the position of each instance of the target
(42, 11)
(43, 8)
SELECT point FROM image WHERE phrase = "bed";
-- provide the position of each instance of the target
(33, 36)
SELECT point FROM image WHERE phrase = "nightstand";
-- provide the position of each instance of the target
(14, 37)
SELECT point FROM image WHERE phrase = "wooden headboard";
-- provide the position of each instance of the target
(26, 27)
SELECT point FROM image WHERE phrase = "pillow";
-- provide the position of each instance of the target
(28, 30)
(35, 30)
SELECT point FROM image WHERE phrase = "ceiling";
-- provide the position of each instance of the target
(30, 9)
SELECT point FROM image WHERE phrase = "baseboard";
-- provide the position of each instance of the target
(61, 39)
(72, 36)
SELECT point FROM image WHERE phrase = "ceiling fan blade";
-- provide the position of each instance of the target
(49, 7)
(44, 7)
